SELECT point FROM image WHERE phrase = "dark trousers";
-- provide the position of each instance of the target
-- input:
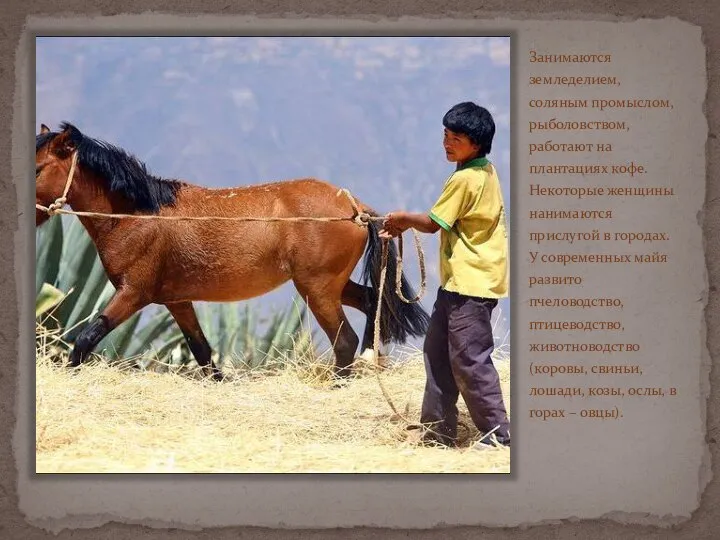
(457, 350)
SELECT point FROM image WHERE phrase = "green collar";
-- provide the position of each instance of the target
(477, 162)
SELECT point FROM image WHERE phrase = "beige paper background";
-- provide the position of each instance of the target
(628, 462)
(497, 501)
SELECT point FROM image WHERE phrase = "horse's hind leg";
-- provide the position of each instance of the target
(324, 300)
(124, 303)
(186, 318)
(358, 296)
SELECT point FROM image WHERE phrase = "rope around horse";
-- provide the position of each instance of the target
(362, 219)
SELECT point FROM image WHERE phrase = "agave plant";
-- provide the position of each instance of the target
(71, 287)
(244, 340)
(238, 337)
(47, 298)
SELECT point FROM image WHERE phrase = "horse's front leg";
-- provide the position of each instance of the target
(124, 303)
(186, 318)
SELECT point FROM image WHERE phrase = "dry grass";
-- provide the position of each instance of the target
(109, 419)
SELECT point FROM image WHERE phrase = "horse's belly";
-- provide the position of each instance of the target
(242, 287)
(227, 280)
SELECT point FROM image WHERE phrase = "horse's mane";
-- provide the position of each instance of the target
(125, 173)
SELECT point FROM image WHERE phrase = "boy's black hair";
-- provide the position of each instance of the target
(474, 121)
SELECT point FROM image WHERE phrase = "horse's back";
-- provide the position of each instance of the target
(320, 194)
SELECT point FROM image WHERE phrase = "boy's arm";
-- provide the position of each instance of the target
(450, 206)
(398, 222)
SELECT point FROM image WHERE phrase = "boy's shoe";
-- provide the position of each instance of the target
(414, 436)
(491, 443)
(420, 436)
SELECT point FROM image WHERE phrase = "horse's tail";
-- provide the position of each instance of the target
(398, 319)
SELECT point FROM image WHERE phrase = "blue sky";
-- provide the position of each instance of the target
(362, 113)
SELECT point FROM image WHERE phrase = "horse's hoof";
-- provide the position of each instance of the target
(73, 369)
(341, 377)
(343, 374)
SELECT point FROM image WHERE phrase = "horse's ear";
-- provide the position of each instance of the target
(44, 129)
(63, 144)
(67, 140)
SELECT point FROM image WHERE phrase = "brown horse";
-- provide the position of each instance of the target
(176, 262)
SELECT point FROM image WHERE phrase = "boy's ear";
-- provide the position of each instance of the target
(44, 129)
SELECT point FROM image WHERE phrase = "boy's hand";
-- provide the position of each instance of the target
(397, 223)
(394, 225)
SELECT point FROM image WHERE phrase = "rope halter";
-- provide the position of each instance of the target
(55, 207)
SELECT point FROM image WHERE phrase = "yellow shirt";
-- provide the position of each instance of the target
(473, 240)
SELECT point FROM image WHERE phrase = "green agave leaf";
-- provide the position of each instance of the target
(77, 272)
(233, 328)
(228, 328)
(272, 336)
(75, 242)
(205, 318)
(242, 331)
(114, 345)
(47, 298)
(173, 341)
(293, 324)
(216, 327)
(104, 297)
(158, 325)
(289, 327)
(87, 296)
(221, 325)
(48, 252)
(233, 343)
(248, 338)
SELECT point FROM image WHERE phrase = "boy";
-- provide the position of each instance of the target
(473, 275)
